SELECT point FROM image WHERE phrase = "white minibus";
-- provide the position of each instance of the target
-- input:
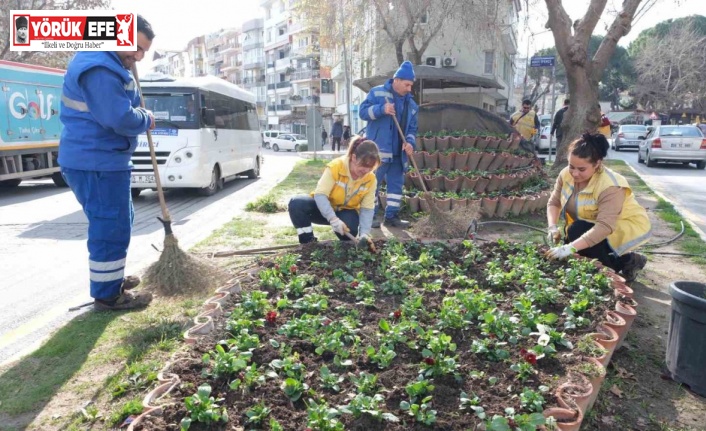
(207, 132)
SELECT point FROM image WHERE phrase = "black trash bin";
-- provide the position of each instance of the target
(686, 348)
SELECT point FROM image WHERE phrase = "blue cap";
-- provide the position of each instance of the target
(406, 71)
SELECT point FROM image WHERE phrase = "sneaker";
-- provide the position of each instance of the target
(130, 282)
(397, 222)
(633, 266)
(377, 221)
(126, 301)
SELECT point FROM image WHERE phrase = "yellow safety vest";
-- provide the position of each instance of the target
(633, 227)
(524, 125)
(348, 193)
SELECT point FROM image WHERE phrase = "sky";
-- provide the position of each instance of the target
(661, 11)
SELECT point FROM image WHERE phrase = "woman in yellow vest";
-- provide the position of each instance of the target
(344, 197)
(603, 219)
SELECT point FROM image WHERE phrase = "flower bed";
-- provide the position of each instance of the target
(419, 336)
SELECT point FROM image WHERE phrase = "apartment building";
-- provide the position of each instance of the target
(253, 67)
(490, 55)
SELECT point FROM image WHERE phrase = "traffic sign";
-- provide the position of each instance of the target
(545, 61)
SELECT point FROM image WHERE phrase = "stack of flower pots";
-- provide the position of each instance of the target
(484, 172)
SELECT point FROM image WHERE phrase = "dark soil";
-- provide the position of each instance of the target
(474, 372)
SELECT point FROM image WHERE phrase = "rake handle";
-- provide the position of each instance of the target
(166, 218)
(414, 162)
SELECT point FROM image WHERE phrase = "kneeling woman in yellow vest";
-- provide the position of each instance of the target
(344, 197)
(603, 219)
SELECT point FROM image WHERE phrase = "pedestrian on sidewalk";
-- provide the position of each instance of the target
(525, 121)
(101, 114)
(344, 197)
(603, 219)
(556, 125)
(336, 134)
(324, 136)
(346, 135)
(394, 98)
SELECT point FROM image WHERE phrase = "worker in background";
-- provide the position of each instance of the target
(525, 121)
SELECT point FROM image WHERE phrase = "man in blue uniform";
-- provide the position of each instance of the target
(392, 98)
(100, 110)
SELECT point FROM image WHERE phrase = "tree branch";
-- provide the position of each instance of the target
(560, 24)
(619, 28)
(586, 25)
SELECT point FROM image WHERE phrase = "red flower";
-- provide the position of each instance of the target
(429, 361)
(354, 284)
(530, 357)
(277, 266)
(271, 316)
(397, 314)
(326, 321)
(523, 352)
(293, 269)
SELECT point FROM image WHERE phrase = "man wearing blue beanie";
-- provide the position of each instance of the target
(392, 98)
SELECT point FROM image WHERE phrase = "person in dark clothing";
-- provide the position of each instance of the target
(556, 125)
(336, 134)
(346, 135)
(324, 136)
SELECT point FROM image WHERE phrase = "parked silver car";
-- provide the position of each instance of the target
(684, 144)
(628, 136)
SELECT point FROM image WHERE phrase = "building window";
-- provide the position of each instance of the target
(282, 30)
(424, 19)
(269, 35)
(489, 68)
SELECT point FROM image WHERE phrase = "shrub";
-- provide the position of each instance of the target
(265, 204)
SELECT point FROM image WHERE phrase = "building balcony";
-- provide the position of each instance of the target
(252, 43)
(253, 65)
(253, 24)
(509, 38)
(304, 101)
(279, 109)
(282, 64)
(305, 75)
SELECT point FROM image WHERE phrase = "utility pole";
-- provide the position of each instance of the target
(345, 63)
(553, 107)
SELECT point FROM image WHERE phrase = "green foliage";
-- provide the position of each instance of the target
(203, 408)
(422, 413)
(265, 204)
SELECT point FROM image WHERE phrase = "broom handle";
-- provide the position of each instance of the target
(414, 162)
(153, 156)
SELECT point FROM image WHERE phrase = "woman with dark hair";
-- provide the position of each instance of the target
(603, 219)
(344, 197)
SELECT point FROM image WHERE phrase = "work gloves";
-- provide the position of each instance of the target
(338, 226)
(553, 235)
(561, 252)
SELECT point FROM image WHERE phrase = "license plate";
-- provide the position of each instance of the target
(680, 146)
(142, 179)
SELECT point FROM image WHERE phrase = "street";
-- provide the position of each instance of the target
(43, 255)
(683, 185)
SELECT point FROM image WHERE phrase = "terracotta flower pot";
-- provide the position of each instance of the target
(420, 159)
(204, 325)
(459, 203)
(408, 184)
(232, 286)
(431, 160)
(157, 411)
(488, 206)
(460, 161)
(413, 204)
(607, 338)
(500, 162)
(452, 185)
(434, 183)
(517, 205)
(628, 313)
(507, 181)
(524, 161)
(504, 206)
(469, 141)
(456, 142)
(442, 143)
(424, 205)
(416, 180)
(575, 393)
(429, 144)
(473, 160)
(622, 289)
(568, 420)
(469, 183)
(482, 142)
(505, 144)
(494, 182)
(515, 142)
(443, 204)
(529, 204)
(614, 321)
(481, 185)
(485, 161)
(493, 143)
(446, 161)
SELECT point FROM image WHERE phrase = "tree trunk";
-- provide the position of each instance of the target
(583, 114)
(398, 51)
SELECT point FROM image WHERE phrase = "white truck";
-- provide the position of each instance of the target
(29, 123)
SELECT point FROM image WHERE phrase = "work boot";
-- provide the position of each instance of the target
(125, 301)
(635, 263)
(130, 282)
(377, 221)
(397, 222)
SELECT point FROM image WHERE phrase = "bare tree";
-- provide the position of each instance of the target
(53, 59)
(670, 70)
(584, 72)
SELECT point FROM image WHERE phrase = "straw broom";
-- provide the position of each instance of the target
(176, 272)
(439, 224)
